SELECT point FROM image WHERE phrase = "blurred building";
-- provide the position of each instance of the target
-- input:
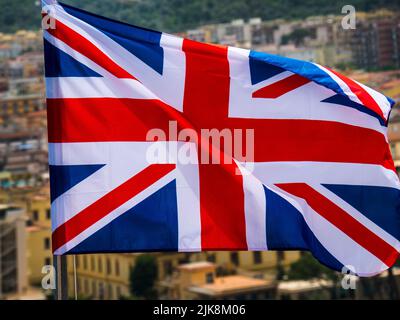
(380, 287)
(101, 276)
(394, 140)
(13, 273)
(12, 45)
(23, 155)
(375, 43)
(199, 280)
(304, 290)
(39, 252)
(11, 106)
(106, 276)
(254, 263)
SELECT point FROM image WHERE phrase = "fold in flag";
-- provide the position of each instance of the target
(130, 113)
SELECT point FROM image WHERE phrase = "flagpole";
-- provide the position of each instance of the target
(75, 279)
(60, 265)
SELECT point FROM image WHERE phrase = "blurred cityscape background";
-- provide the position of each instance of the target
(308, 30)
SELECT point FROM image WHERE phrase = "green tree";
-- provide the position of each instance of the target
(143, 277)
(180, 15)
(307, 268)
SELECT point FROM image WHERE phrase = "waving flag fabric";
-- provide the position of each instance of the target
(321, 179)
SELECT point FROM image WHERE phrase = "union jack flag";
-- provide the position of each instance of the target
(322, 176)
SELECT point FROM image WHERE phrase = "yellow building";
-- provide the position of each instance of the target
(100, 276)
(13, 279)
(18, 105)
(261, 263)
(36, 204)
(39, 251)
(199, 280)
(106, 276)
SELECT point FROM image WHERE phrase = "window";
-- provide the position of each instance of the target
(110, 292)
(47, 243)
(94, 288)
(26, 107)
(79, 285)
(280, 255)
(85, 262)
(48, 214)
(168, 267)
(35, 215)
(116, 268)
(108, 266)
(211, 257)
(257, 257)
(101, 291)
(92, 263)
(210, 277)
(15, 108)
(100, 265)
(393, 149)
(47, 261)
(235, 258)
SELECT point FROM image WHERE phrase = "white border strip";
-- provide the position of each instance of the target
(255, 211)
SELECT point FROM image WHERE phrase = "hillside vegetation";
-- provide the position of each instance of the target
(180, 15)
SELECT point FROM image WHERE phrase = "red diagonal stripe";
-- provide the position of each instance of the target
(99, 209)
(361, 94)
(343, 221)
(281, 87)
(88, 49)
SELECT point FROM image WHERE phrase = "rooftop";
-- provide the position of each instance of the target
(231, 284)
(31, 294)
(37, 227)
(302, 285)
(9, 212)
(197, 265)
